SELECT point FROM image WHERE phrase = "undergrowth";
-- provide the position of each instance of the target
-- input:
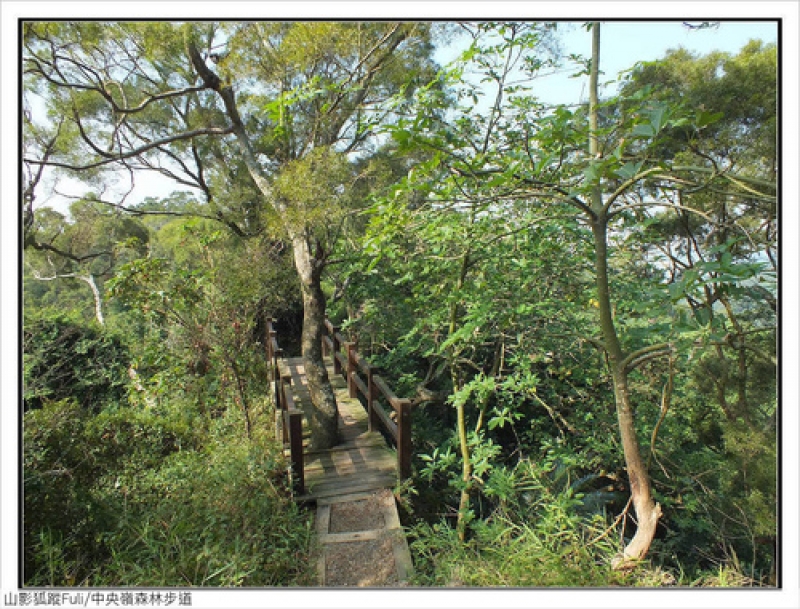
(538, 537)
(137, 498)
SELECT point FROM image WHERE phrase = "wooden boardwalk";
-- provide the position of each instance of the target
(358, 527)
(361, 462)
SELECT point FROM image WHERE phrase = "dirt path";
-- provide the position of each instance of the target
(362, 541)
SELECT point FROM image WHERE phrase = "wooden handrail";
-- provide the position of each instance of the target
(352, 366)
(290, 417)
(361, 380)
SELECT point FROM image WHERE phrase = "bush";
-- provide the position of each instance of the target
(133, 497)
(534, 538)
(64, 358)
(62, 514)
(216, 517)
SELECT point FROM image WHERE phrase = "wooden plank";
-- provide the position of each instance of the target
(377, 460)
(346, 498)
(353, 536)
(365, 440)
(342, 359)
(362, 386)
(390, 425)
(324, 493)
(356, 453)
(352, 480)
(320, 477)
(384, 388)
(353, 485)
(284, 368)
(362, 363)
(318, 471)
(324, 479)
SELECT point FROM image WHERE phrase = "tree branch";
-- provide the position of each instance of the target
(638, 357)
(212, 81)
(137, 151)
(571, 199)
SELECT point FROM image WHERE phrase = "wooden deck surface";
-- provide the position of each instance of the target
(361, 462)
(355, 474)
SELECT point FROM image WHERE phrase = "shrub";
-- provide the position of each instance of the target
(137, 497)
(534, 538)
(64, 358)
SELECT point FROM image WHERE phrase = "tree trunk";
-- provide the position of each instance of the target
(323, 417)
(647, 511)
(463, 441)
(98, 299)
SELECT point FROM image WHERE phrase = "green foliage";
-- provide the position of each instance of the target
(64, 358)
(145, 499)
(485, 279)
(533, 538)
(317, 189)
(197, 308)
(469, 278)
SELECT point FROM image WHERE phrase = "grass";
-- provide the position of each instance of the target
(213, 514)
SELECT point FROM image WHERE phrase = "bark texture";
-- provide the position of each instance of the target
(323, 418)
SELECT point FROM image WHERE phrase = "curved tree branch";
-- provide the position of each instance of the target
(136, 151)
(640, 356)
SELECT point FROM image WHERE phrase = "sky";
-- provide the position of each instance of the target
(623, 43)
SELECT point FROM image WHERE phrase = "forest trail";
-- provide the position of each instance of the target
(361, 540)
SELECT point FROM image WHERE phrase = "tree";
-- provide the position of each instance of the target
(613, 186)
(720, 253)
(723, 262)
(88, 247)
(149, 97)
(601, 165)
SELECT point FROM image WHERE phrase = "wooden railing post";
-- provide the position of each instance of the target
(273, 353)
(351, 370)
(276, 375)
(337, 367)
(282, 386)
(372, 395)
(290, 418)
(326, 334)
(404, 438)
(296, 448)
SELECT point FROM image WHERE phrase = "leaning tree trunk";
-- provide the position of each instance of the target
(646, 509)
(323, 416)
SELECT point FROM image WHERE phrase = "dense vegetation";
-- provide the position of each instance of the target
(580, 299)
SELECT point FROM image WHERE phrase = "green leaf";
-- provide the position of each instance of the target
(702, 315)
(629, 170)
(705, 118)
(658, 118)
